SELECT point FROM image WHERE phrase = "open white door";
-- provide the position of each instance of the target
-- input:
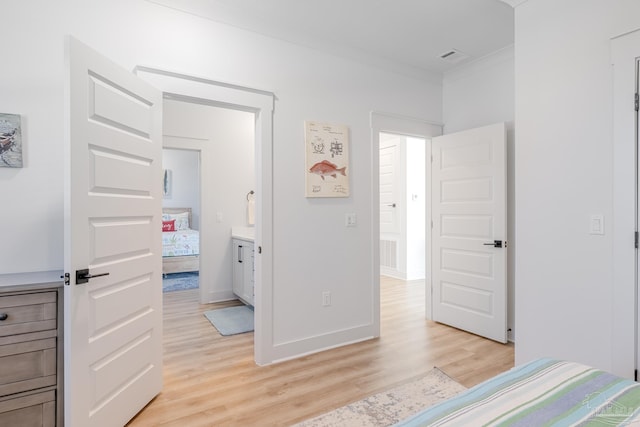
(469, 259)
(112, 323)
(391, 238)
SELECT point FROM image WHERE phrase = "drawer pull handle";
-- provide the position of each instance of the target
(3, 316)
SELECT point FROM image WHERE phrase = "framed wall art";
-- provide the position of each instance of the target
(327, 159)
(167, 183)
(10, 141)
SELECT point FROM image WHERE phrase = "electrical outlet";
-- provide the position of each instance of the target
(326, 299)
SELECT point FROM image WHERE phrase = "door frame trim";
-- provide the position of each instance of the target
(625, 353)
(408, 126)
(262, 104)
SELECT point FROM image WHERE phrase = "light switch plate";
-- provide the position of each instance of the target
(351, 220)
(596, 224)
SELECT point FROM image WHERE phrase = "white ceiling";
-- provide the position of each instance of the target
(405, 35)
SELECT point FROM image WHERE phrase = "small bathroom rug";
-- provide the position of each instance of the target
(231, 320)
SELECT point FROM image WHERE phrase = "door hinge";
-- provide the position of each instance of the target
(635, 239)
(635, 375)
(637, 101)
(67, 278)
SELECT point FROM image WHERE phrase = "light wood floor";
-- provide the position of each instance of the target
(211, 380)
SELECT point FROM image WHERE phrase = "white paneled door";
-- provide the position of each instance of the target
(469, 256)
(113, 316)
(389, 187)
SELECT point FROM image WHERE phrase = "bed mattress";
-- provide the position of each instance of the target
(180, 243)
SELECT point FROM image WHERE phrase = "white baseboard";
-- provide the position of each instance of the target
(219, 296)
(295, 349)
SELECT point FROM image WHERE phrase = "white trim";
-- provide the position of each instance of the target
(409, 126)
(625, 50)
(261, 103)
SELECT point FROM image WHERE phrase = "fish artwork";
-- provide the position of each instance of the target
(326, 168)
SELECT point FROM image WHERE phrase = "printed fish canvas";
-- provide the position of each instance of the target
(326, 168)
(10, 141)
(327, 154)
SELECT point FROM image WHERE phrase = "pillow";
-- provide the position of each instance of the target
(182, 220)
(169, 225)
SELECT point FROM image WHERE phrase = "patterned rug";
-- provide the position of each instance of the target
(180, 281)
(389, 407)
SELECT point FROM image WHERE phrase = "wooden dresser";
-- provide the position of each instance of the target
(31, 313)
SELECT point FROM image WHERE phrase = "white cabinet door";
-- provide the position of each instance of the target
(238, 268)
(469, 273)
(113, 195)
(248, 281)
(243, 270)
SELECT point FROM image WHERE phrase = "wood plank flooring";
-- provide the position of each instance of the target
(211, 380)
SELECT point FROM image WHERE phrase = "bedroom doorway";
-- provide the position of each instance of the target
(260, 104)
(181, 219)
(384, 127)
(213, 147)
(402, 206)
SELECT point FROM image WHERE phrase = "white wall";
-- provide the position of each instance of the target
(482, 93)
(185, 181)
(564, 173)
(313, 251)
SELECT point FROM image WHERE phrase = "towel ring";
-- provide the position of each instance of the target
(250, 193)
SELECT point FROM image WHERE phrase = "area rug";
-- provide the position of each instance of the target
(231, 320)
(180, 281)
(390, 407)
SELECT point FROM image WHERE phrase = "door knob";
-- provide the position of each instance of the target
(495, 244)
(83, 276)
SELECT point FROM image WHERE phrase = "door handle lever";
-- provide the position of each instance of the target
(495, 244)
(83, 276)
(393, 205)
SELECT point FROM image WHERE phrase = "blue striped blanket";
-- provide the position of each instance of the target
(544, 392)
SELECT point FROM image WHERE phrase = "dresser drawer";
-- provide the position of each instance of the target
(35, 410)
(27, 365)
(27, 313)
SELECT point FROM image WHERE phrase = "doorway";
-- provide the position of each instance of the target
(384, 123)
(402, 206)
(260, 104)
(223, 141)
(180, 201)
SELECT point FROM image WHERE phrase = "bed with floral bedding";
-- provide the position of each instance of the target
(180, 242)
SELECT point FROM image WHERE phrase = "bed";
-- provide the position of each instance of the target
(180, 243)
(542, 392)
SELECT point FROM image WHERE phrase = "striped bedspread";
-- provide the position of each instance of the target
(543, 392)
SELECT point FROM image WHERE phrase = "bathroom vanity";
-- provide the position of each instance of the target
(243, 263)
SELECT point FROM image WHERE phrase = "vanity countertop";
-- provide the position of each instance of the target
(34, 280)
(244, 233)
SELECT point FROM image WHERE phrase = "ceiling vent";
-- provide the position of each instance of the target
(453, 56)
